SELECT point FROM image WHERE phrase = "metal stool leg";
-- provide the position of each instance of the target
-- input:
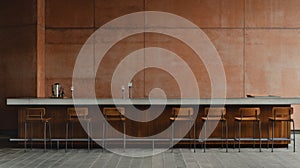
(72, 135)
(88, 133)
(25, 135)
(124, 136)
(91, 137)
(204, 136)
(103, 136)
(287, 130)
(294, 136)
(268, 134)
(222, 134)
(253, 123)
(190, 135)
(273, 125)
(172, 136)
(194, 137)
(234, 134)
(31, 132)
(259, 129)
(226, 135)
(45, 131)
(67, 134)
(50, 136)
(240, 123)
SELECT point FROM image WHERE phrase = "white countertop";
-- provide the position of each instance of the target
(185, 101)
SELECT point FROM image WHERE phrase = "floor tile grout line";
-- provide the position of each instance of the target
(52, 156)
(32, 161)
(96, 160)
(88, 157)
(24, 154)
(59, 159)
(5, 155)
(70, 158)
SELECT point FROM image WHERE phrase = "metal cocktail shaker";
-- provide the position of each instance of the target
(56, 88)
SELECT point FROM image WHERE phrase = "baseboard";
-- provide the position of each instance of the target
(9, 133)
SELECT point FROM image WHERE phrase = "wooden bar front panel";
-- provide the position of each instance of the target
(137, 129)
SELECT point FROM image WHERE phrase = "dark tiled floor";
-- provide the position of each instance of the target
(181, 157)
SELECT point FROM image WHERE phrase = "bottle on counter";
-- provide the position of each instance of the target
(72, 91)
(123, 92)
(130, 90)
(62, 94)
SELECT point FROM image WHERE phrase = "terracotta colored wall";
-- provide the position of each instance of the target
(78, 20)
(17, 56)
(272, 47)
(252, 37)
(258, 42)
(65, 36)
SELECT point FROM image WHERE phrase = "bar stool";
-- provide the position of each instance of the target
(215, 114)
(74, 115)
(183, 115)
(248, 115)
(281, 114)
(113, 114)
(37, 115)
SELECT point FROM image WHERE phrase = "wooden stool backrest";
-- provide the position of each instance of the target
(249, 112)
(215, 112)
(282, 112)
(182, 112)
(80, 112)
(114, 112)
(35, 113)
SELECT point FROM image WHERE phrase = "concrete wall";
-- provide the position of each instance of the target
(17, 56)
(258, 42)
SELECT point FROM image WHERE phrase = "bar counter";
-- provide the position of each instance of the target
(173, 101)
(56, 108)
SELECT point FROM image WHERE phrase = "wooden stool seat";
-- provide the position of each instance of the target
(246, 118)
(179, 119)
(280, 118)
(213, 119)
